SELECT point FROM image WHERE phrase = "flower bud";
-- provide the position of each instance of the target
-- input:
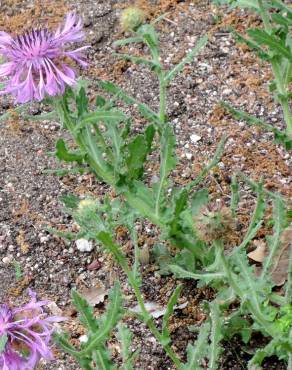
(86, 206)
(132, 18)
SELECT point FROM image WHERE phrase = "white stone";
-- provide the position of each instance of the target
(84, 245)
(226, 91)
(83, 339)
(189, 155)
(195, 138)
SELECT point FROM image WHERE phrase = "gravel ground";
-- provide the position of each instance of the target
(29, 199)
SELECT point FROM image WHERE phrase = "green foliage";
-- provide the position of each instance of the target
(125, 337)
(199, 350)
(279, 136)
(243, 303)
(94, 354)
(272, 44)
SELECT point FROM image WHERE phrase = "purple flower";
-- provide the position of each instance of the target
(36, 63)
(27, 331)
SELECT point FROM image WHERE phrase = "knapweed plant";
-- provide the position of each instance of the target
(273, 44)
(105, 144)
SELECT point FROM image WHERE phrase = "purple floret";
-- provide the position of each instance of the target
(36, 63)
(28, 332)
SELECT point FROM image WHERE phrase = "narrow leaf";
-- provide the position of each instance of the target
(179, 67)
(197, 351)
(205, 276)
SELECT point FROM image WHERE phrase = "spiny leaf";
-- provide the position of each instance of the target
(108, 320)
(139, 60)
(280, 137)
(215, 337)
(256, 220)
(136, 158)
(234, 195)
(102, 358)
(197, 351)
(138, 149)
(252, 45)
(143, 108)
(167, 163)
(150, 36)
(125, 337)
(70, 201)
(141, 199)
(40, 117)
(85, 311)
(129, 40)
(179, 67)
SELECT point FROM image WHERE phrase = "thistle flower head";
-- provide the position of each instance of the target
(36, 63)
(216, 225)
(25, 335)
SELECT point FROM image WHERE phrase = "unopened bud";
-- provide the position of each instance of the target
(132, 18)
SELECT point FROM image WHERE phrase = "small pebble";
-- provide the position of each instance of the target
(189, 155)
(7, 260)
(195, 138)
(84, 245)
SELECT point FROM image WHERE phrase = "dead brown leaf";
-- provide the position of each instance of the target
(259, 253)
(280, 265)
(280, 268)
(94, 295)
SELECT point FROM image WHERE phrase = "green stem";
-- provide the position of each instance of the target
(287, 115)
(162, 98)
(282, 90)
(148, 319)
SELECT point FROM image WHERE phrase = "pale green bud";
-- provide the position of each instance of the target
(132, 18)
